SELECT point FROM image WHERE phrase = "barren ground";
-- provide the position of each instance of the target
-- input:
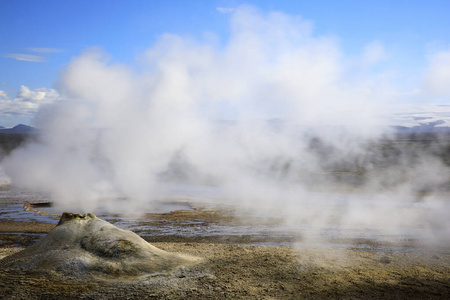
(241, 271)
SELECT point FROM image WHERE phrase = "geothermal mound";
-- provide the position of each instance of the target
(85, 245)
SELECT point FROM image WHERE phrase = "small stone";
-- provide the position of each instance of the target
(385, 260)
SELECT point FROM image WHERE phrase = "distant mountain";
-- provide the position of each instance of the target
(18, 129)
(423, 128)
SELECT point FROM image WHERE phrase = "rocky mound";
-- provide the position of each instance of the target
(83, 245)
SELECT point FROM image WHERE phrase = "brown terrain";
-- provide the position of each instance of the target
(238, 269)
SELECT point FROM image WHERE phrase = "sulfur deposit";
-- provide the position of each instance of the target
(84, 245)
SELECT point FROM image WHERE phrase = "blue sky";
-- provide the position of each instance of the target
(39, 38)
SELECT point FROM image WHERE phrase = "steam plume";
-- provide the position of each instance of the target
(275, 119)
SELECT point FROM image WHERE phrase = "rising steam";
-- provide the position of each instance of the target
(274, 117)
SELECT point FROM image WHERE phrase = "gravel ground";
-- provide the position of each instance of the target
(243, 271)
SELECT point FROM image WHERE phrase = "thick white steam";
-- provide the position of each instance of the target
(273, 117)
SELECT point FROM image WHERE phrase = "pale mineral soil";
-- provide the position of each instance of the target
(243, 271)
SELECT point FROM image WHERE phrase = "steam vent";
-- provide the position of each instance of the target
(83, 245)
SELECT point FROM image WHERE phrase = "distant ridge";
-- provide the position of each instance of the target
(18, 129)
(421, 129)
(275, 123)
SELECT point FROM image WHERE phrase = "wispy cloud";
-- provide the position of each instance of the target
(225, 10)
(44, 50)
(25, 57)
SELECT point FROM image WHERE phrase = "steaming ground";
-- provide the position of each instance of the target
(384, 195)
(200, 220)
(274, 123)
(235, 266)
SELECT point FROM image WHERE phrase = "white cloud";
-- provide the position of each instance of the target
(3, 95)
(25, 57)
(374, 53)
(39, 96)
(437, 76)
(44, 50)
(225, 10)
(414, 91)
(417, 114)
(26, 102)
